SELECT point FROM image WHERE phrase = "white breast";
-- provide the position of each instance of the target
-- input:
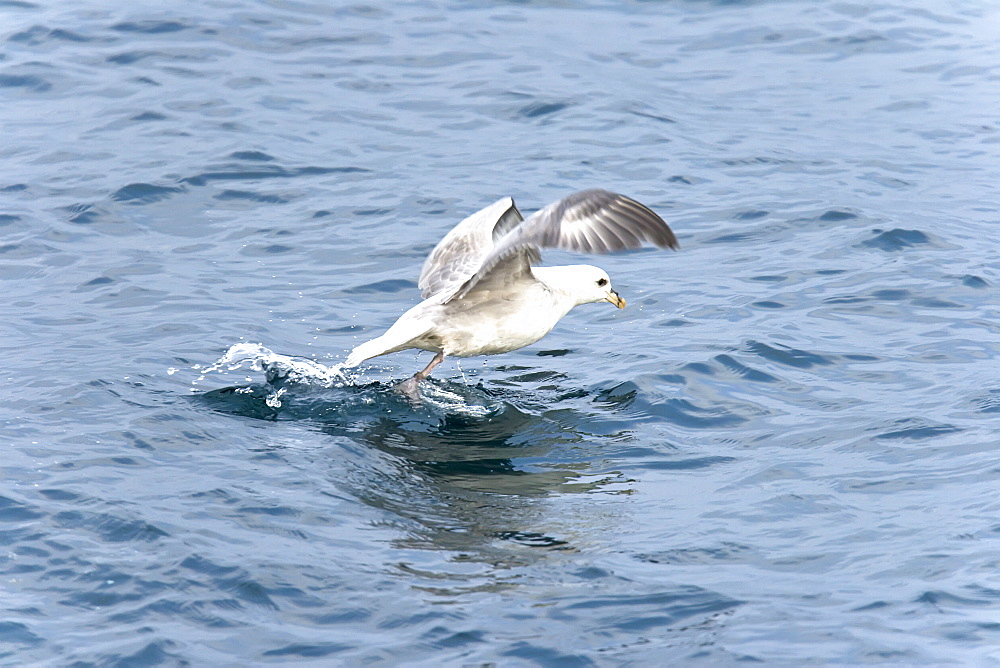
(498, 325)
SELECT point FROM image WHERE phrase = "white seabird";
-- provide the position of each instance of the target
(482, 294)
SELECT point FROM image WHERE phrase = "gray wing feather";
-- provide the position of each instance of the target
(590, 221)
(461, 253)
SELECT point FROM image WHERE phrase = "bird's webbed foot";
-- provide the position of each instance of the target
(410, 388)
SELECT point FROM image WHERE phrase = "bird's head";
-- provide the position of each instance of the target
(586, 284)
(600, 287)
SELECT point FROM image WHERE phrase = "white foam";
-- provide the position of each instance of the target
(453, 402)
(277, 366)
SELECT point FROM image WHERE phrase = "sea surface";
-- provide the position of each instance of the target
(786, 450)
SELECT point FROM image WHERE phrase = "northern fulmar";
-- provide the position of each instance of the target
(483, 294)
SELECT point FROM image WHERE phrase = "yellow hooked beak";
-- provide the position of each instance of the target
(615, 299)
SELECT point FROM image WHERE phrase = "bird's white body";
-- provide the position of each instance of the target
(482, 296)
(496, 321)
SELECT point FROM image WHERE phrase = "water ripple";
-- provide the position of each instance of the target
(783, 451)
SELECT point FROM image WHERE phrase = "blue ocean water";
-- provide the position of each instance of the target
(783, 451)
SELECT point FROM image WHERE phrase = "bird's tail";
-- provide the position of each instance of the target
(365, 351)
(397, 338)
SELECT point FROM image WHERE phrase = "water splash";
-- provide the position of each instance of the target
(460, 399)
(279, 370)
(289, 377)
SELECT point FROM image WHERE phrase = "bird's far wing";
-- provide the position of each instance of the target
(590, 221)
(461, 252)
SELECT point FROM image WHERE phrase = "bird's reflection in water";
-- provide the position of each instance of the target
(464, 470)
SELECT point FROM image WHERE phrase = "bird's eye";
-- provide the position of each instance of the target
(601, 282)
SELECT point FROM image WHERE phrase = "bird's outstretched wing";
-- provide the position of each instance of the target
(462, 251)
(590, 221)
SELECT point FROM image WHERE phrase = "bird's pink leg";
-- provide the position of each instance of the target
(409, 386)
(420, 375)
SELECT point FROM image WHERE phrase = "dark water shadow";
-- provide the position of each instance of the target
(462, 469)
